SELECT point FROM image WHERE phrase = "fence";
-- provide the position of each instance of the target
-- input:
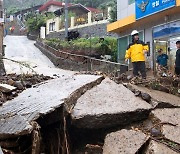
(76, 62)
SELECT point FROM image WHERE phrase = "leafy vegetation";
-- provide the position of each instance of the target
(91, 46)
(113, 12)
(92, 3)
(35, 21)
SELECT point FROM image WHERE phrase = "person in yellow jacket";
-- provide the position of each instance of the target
(136, 52)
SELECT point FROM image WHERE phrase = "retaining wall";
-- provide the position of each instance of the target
(76, 62)
(95, 30)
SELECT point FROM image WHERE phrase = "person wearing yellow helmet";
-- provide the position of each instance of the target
(136, 52)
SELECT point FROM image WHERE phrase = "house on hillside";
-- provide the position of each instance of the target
(22, 13)
(80, 16)
(51, 6)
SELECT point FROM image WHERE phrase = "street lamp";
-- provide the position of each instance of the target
(66, 18)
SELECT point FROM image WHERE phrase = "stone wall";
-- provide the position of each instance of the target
(95, 30)
(76, 62)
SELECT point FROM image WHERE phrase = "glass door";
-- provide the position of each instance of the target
(172, 51)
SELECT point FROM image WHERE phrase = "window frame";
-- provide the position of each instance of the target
(131, 2)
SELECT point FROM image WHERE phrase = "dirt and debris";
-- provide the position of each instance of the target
(168, 84)
(81, 130)
(13, 84)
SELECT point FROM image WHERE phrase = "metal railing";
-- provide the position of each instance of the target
(77, 62)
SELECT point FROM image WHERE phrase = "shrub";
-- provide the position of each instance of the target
(89, 46)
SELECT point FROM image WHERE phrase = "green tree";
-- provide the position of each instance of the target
(113, 12)
(103, 7)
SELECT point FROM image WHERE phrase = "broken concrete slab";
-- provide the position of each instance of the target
(160, 99)
(5, 88)
(43, 99)
(11, 126)
(171, 120)
(168, 115)
(107, 105)
(124, 142)
(158, 148)
(172, 133)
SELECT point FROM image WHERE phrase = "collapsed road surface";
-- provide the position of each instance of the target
(78, 113)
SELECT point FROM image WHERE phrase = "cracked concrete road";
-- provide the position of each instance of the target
(20, 49)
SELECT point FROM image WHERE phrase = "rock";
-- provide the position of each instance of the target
(146, 97)
(19, 85)
(5, 88)
(175, 83)
(107, 105)
(28, 84)
(93, 149)
(171, 120)
(129, 77)
(124, 142)
(11, 82)
(14, 94)
(158, 148)
(155, 132)
(163, 88)
(163, 99)
(137, 93)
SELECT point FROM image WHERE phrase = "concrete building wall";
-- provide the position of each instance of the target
(147, 28)
(124, 9)
(57, 25)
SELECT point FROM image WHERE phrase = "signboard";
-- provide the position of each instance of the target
(168, 29)
(148, 7)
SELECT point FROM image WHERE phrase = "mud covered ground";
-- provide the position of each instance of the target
(20, 82)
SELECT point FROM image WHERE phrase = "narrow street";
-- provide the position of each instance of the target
(20, 49)
(81, 113)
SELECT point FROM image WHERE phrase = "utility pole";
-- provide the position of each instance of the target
(66, 19)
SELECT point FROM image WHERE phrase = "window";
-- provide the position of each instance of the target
(52, 27)
(131, 2)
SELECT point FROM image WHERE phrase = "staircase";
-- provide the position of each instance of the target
(19, 27)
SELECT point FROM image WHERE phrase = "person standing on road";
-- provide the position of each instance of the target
(162, 59)
(136, 52)
(177, 61)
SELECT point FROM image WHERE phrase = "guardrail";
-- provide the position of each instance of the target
(76, 62)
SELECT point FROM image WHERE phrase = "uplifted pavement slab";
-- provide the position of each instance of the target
(160, 99)
(171, 120)
(44, 98)
(158, 148)
(124, 142)
(108, 104)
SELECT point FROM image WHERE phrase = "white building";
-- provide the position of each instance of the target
(158, 22)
